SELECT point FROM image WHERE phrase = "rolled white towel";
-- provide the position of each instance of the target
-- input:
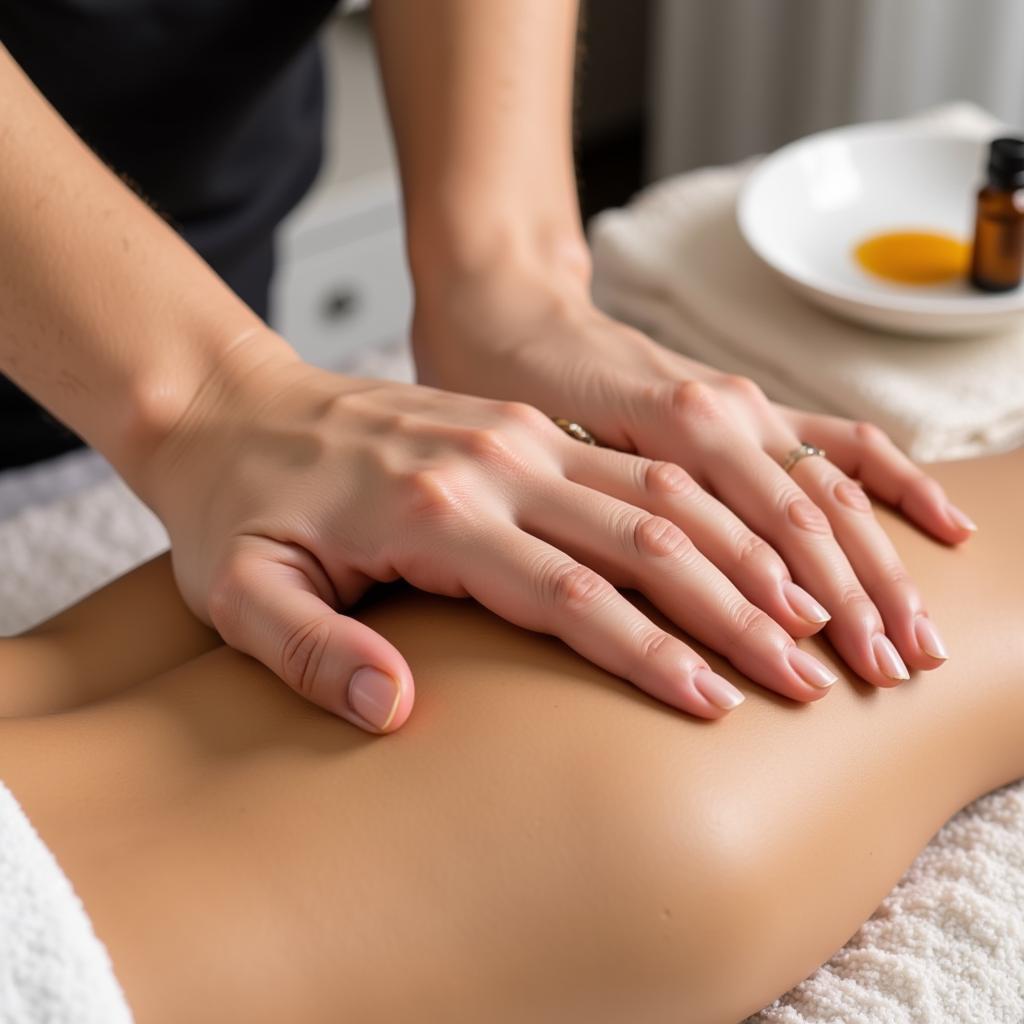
(53, 969)
(674, 264)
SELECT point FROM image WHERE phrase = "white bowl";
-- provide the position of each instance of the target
(804, 209)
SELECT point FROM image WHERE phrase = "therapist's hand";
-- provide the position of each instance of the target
(536, 337)
(287, 491)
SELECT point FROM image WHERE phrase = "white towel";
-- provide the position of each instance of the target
(53, 969)
(674, 264)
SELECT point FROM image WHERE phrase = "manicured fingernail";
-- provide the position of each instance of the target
(929, 639)
(804, 606)
(719, 691)
(810, 670)
(374, 696)
(961, 519)
(889, 662)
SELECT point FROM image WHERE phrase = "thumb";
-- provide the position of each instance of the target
(265, 604)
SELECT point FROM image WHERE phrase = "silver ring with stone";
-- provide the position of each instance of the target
(574, 430)
(802, 451)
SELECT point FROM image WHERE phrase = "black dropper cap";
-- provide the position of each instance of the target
(1006, 163)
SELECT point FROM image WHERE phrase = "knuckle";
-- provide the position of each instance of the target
(523, 414)
(401, 422)
(744, 387)
(870, 435)
(802, 513)
(489, 445)
(302, 653)
(668, 478)
(894, 574)
(653, 642)
(925, 487)
(754, 552)
(851, 495)
(751, 623)
(575, 589)
(431, 492)
(223, 600)
(654, 535)
(693, 400)
(856, 603)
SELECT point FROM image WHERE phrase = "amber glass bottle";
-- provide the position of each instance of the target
(997, 260)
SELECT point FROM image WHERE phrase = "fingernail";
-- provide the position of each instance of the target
(929, 638)
(961, 519)
(374, 696)
(889, 662)
(810, 670)
(803, 604)
(719, 691)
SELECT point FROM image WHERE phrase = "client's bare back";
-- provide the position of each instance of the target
(540, 842)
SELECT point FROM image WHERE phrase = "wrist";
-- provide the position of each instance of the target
(473, 320)
(476, 248)
(473, 287)
(203, 391)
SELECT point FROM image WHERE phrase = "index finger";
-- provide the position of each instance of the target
(535, 585)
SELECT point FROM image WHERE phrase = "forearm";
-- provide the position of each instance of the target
(480, 96)
(109, 319)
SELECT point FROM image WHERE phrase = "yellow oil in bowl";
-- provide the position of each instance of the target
(914, 257)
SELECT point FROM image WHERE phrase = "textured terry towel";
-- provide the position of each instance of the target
(53, 969)
(674, 264)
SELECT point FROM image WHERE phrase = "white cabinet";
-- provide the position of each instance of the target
(342, 288)
(341, 293)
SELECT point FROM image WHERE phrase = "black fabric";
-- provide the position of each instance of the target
(212, 109)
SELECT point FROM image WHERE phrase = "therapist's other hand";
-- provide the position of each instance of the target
(288, 491)
(539, 339)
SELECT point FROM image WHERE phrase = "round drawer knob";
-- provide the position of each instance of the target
(339, 304)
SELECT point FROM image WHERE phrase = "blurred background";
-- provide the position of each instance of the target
(663, 86)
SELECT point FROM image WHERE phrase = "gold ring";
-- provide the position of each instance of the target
(574, 430)
(802, 451)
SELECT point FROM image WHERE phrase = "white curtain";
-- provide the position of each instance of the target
(734, 77)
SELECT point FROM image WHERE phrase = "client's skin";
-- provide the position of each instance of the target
(542, 842)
